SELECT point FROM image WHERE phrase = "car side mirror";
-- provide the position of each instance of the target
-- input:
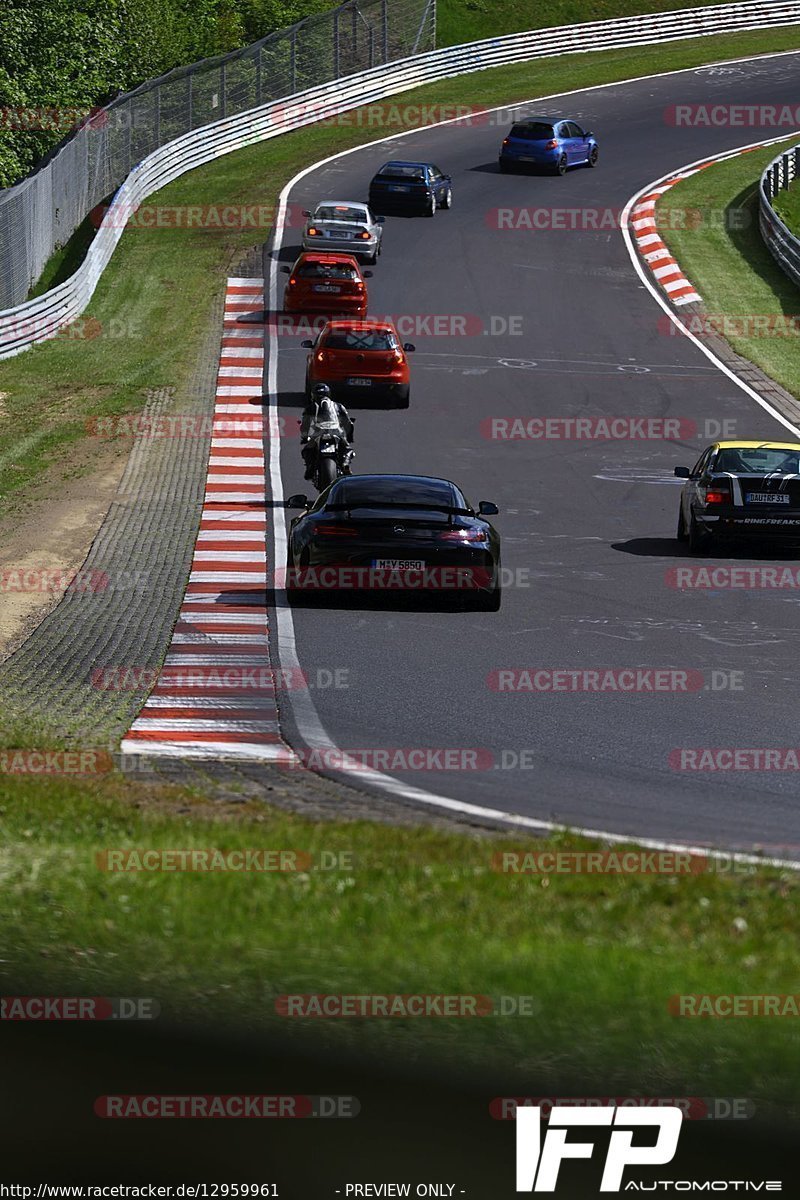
(298, 501)
(487, 509)
(286, 270)
(380, 220)
(306, 212)
(409, 347)
(588, 133)
(682, 473)
(367, 274)
(307, 344)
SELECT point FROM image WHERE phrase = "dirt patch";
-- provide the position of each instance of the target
(46, 537)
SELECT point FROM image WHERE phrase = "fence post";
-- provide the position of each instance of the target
(354, 15)
(335, 43)
(190, 98)
(130, 136)
(258, 76)
(293, 62)
(385, 29)
(157, 130)
(223, 81)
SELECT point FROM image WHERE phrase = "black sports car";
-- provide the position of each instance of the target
(382, 532)
(420, 187)
(740, 490)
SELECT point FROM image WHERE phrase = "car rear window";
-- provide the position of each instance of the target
(367, 339)
(326, 271)
(339, 212)
(757, 461)
(398, 493)
(532, 131)
(401, 172)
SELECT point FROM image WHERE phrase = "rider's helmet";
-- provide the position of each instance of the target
(320, 391)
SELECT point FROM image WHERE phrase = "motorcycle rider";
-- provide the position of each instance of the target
(323, 414)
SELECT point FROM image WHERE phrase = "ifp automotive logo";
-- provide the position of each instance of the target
(538, 1162)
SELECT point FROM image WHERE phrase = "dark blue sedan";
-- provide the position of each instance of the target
(415, 186)
(544, 142)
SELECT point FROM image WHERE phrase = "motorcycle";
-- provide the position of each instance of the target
(330, 455)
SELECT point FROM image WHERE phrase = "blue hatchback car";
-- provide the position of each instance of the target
(543, 142)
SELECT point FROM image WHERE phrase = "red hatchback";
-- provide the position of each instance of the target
(326, 283)
(360, 358)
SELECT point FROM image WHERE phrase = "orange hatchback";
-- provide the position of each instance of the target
(326, 283)
(363, 358)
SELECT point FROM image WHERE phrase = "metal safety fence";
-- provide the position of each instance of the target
(43, 211)
(34, 320)
(782, 244)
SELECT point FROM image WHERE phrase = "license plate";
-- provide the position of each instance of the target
(767, 498)
(326, 287)
(526, 158)
(339, 234)
(360, 382)
(399, 564)
(397, 187)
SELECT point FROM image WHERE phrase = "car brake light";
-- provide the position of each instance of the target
(717, 496)
(365, 235)
(463, 535)
(292, 282)
(398, 356)
(312, 232)
(335, 530)
(551, 145)
(359, 286)
(320, 356)
(505, 141)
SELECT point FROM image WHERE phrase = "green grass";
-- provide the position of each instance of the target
(724, 256)
(412, 911)
(469, 20)
(154, 308)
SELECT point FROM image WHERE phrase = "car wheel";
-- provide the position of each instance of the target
(490, 601)
(561, 165)
(402, 397)
(431, 209)
(504, 166)
(292, 591)
(592, 159)
(447, 199)
(681, 533)
(699, 542)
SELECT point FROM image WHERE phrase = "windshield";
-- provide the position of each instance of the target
(401, 172)
(757, 461)
(339, 212)
(365, 339)
(434, 495)
(533, 131)
(326, 271)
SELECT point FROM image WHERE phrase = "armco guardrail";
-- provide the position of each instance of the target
(778, 238)
(35, 320)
